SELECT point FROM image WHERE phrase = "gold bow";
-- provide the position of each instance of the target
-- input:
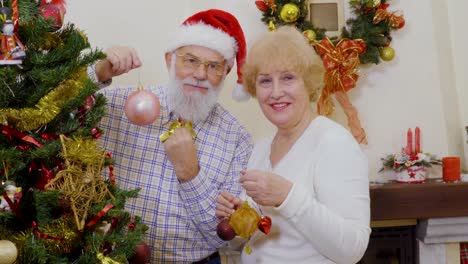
(395, 20)
(176, 124)
(341, 63)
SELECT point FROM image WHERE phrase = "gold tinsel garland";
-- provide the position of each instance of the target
(48, 106)
(80, 181)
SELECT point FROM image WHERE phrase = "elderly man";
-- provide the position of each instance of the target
(181, 176)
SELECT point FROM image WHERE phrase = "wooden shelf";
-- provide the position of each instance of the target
(432, 199)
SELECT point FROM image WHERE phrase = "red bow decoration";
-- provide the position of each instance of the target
(395, 20)
(263, 5)
(341, 63)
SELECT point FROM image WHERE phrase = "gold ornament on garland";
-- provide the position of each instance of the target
(387, 53)
(271, 26)
(48, 106)
(371, 15)
(289, 13)
(80, 181)
(310, 35)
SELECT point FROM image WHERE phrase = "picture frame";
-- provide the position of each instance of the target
(327, 14)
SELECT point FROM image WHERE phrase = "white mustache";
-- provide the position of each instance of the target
(204, 84)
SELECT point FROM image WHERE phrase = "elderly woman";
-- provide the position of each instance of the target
(311, 177)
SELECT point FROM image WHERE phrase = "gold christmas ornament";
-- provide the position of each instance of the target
(244, 221)
(289, 13)
(80, 180)
(65, 231)
(376, 3)
(310, 35)
(387, 53)
(8, 252)
(271, 26)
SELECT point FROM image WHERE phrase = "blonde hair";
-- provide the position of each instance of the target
(285, 48)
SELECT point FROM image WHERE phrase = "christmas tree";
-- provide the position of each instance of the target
(56, 206)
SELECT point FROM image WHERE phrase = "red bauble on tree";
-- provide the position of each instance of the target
(142, 254)
(54, 9)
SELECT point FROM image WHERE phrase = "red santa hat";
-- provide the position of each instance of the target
(219, 31)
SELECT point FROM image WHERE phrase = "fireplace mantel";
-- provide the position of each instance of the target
(432, 199)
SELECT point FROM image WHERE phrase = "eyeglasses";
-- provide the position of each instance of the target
(213, 68)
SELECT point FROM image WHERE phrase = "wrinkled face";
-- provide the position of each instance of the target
(196, 77)
(282, 96)
(198, 64)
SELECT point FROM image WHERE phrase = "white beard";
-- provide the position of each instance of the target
(194, 107)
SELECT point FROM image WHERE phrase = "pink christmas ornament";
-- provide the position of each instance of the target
(142, 107)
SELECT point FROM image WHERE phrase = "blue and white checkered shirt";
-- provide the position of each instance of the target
(181, 216)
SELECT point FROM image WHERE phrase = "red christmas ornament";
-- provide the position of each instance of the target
(55, 12)
(264, 224)
(142, 107)
(225, 231)
(142, 254)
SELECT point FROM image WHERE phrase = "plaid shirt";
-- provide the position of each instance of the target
(181, 216)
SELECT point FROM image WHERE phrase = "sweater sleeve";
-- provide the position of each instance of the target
(199, 194)
(336, 219)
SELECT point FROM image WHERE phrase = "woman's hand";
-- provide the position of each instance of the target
(226, 204)
(265, 188)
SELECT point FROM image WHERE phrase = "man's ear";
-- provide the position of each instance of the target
(168, 57)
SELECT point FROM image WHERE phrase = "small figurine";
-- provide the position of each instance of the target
(11, 193)
(12, 51)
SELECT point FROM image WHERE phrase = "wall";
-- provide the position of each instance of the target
(425, 85)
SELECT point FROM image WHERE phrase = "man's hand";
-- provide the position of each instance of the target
(181, 151)
(119, 60)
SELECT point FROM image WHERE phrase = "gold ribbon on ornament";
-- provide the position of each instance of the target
(341, 63)
(177, 124)
(381, 14)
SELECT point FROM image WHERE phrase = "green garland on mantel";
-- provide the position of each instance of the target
(371, 23)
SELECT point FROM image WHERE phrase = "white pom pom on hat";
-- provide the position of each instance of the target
(220, 31)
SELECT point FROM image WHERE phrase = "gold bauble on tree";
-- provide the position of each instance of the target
(8, 252)
(387, 53)
(289, 13)
(310, 34)
(376, 3)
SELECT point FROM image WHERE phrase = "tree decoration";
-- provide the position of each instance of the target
(47, 96)
(371, 28)
(55, 10)
(12, 50)
(8, 252)
(80, 180)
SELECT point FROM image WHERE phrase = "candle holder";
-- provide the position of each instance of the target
(410, 164)
(451, 169)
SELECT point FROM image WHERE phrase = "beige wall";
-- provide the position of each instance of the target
(425, 85)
